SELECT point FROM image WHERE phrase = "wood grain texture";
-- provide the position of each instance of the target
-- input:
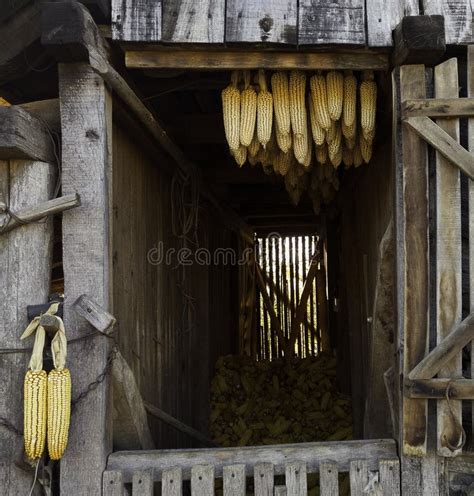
(296, 480)
(46, 111)
(448, 256)
(95, 314)
(86, 157)
(191, 21)
(137, 20)
(280, 491)
(142, 484)
(439, 107)
(359, 476)
(322, 22)
(171, 482)
(268, 21)
(202, 480)
(383, 17)
(329, 479)
(112, 483)
(436, 388)
(234, 480)
(457, 17)
(263, 479)
(389, 477)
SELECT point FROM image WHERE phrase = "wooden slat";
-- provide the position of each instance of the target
(263, 479)
(389, 477)
(457, 18)
(234, 480)
(202, 480)
(448, 255)
(310, 453)
(295, 478)
(250, 59)
(171, 483)
(280, 491)
(95, 314)
(437, 388)
(188, 21)
(134, 20)
(439, 107)
(448, 147)
(269, 21)
(359, 476)
(142, 484)
(329, 479)
(112, 483)
(322, 22)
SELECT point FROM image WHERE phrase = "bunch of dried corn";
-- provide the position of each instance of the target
(264, 110)
(231, 111)
(248, 111)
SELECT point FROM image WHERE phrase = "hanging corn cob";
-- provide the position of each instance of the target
(368, 102)
(240, 155)
(284, 141)
(335, 145)
(248, 111)
(254, 146)
(349, 101)
(317, 131)
(309, 151)
(335, 92)
(231, 111)
(320, 102)
(365, 149)
(281, 102)
(297, 103)
(264, 110)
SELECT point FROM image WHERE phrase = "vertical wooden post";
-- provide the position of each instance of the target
(322, 308)
(86, 112)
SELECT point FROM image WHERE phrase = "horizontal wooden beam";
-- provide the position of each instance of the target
(204, 60)
(38, 212)
(22, 136)
(439, 107)
(446, 350)
(97, 316)
(313, 454)
(459, 389)
(444, 144)
(46, 111)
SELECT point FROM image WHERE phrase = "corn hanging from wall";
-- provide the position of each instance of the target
(240, 155)
(358, 160)
(248, 111)
(349, 104)
(284, 141)
(231, 111)
(335, 93)
(368, 103)
(264, 110)
(281, 102)
(365, 149)
(254, 146)
(320, 102)
(318, 133)
(297, 103)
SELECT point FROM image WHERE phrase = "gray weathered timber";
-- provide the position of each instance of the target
(188, 21)
(269, 21)
(389, 477)
(457, 18)
(384, 16)
(295, 479)
(23, 136)
(234, 480)
(456, 338)
(137, 20)
(448, 147)
(95, 314)
(142, 484)
(46, 111)
(86, 157)
(437, 388)
(263, 476)
(310, 453)
(202, 480)
(280, 491)
(439, 107)
(322, 22)
(359, 476)
(112, 483)
(329, 479)
(448, 257)
(37, 212)
(171, 482)
(130, 424)
(25, 276)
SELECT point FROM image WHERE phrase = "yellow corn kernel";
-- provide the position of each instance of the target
(335, 92)
(365, 149)
(240, 155)
(231, 112)
(349, 102)
(317, 131)
(281, 102)
(348, 132)
(320, 102)
(368, 103)
(59, 411)
(335, 144)
(248, 111)
(284, 141)
(297, 103)
(264, 110)
(35, 400)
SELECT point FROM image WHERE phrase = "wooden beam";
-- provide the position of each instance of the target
(95, 314)
(459, 389)
(46, 111)
(32, 214)
(443, 142)
(313, 454)
(22, 136)
(458, 337)
(439, 107)
(251, 59)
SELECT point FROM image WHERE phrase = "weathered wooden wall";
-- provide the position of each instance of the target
(170, 340)
(308, 22)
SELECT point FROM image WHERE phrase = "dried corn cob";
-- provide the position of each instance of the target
(254, 146)
(300, 147)
(231, 111)
(320, 102)
(335, 92)
(248, 111)
(350, 143)
(317, 131)
(349, 103)
(264, 110)
(369, 135)
(240, 155)
(335, 145)
(365, 149)
(297, 103)
(284, 162)
(309, 151)
(281, 102)
(349, 132)
(284, 141)
(368, 102)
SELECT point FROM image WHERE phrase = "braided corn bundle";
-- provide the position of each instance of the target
(320, 102)
(368, 102)
(318, 133)
(335, 93)
(297, 103)
(231, 111)
(264, 110)
(349, 102)
(248, 111)
(281, 102)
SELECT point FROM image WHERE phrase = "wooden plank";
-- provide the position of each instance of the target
(296, 480)
(439, 107)
(171, 482)
(383, 18)
(136, 20)
(456, 338)
(22, 136)
(322, 309)
(457, 18)
(268, 21)
(251, 59)
(280, 491)
(448, 256)
(359, 477)
(95, 314)
(389, 477)
(142, 484)
(263, 476)
(202, 480)
(234, 480)
(322, 22)
(46, 111)
(86, 132)
(310, 453)
(437, 388)
(448, 147)
(412, 259)
(185, 21)
(329, 479)
(112, 483)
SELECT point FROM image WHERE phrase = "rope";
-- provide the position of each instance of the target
(456, 422)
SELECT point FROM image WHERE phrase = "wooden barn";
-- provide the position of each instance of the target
(252, 222)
